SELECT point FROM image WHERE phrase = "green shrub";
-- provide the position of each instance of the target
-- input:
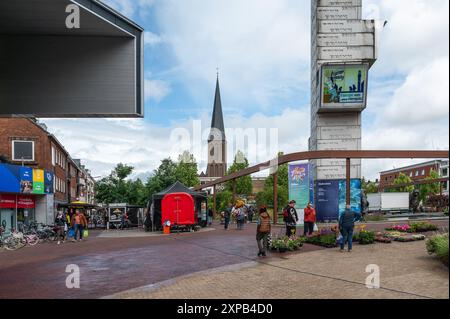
(366, 237)
(438, 245)
(422, 227)
(328, 240)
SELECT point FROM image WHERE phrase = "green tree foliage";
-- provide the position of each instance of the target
(222, 200)
(265, 198)
(369, 187)
(430, 189)
(115, 188)
(244, 185)
(187, 170)
(400, 180)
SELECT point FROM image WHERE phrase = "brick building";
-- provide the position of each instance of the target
(24, 142)
(415, 172)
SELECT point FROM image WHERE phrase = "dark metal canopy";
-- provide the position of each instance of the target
(50, 70)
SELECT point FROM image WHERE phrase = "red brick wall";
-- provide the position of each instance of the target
(389, 178)
(25, 129)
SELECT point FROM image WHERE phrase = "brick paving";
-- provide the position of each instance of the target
(111, 265)
(404, 267)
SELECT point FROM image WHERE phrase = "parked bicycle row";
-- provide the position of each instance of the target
(65, 228)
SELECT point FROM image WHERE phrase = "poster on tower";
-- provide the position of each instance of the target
(299, 187)
(344, 87)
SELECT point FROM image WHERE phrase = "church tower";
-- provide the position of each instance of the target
(217, 144)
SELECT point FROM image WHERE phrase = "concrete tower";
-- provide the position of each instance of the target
(342, 50)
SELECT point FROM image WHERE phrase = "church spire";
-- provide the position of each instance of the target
(217, 123)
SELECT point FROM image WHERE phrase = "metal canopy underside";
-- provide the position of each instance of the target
(49, 70)
(47, 17)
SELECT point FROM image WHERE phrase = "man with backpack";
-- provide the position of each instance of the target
(290, 217)
(263, 231)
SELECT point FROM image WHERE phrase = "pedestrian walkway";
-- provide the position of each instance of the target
(407, 271)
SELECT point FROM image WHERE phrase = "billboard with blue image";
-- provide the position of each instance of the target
(23, 180)
(355, 196)
(330, 198)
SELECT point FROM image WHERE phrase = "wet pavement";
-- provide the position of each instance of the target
(112, 265)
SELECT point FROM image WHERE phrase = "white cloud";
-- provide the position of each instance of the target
(156, 89)
(260, 46)
(152, 39)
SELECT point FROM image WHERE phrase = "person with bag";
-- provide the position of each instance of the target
(60, 224)
(263, 231)
(346, 227)
(227, 215)
(290, 217)
(239, 214)
(310, 220)
(78, 223)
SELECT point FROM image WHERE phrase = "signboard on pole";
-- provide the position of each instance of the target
(344, 87)
(299, 187)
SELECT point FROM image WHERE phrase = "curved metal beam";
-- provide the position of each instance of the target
(315, 155)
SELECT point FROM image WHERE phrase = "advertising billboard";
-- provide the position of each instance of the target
(344, 87)
(327, 203)
(331, 198)
(299, 187)
(355, 196)
(25, 180)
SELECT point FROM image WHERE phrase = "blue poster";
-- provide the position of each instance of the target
(26, 180)
(9, 178)
(327, 204)
(355, 196)
(311, 186)
(48, 182)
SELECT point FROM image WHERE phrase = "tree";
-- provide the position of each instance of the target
(244, 185)
(187, 170)
(164, 176)
(400, 180)
(222, 200)
(369, 187)
(114, 188)
(265, 198)
(430, 189)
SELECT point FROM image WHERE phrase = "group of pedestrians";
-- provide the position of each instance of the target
(70, 227)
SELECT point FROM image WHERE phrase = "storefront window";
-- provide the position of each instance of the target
(7, 220)
(25, 217)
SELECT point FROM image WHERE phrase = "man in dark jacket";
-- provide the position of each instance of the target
(227, 215)
(291, 219)
(346, 226)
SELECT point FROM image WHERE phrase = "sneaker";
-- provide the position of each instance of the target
(341, 250)
(59, 243)
(349, 250)
(259, 254)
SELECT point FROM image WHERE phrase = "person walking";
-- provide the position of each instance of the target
(310, 220)
(290, 218)
(263, 231)
(239, 215)
(60, 224)
(210, 216)
(251, 212)
(227, 215)
(79, 222)
(346, 227)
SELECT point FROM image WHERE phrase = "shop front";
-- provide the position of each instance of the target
(26, 194)
(16, 211)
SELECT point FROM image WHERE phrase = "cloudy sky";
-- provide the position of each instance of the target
(262, 50)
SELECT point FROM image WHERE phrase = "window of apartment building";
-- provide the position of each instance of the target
(417, 173)
(423, 172)
(411, 174)
(444, 172)
(23, 151)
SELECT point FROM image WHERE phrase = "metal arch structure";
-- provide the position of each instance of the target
(315, 155)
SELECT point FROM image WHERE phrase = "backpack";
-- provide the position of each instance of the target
(285, 214)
